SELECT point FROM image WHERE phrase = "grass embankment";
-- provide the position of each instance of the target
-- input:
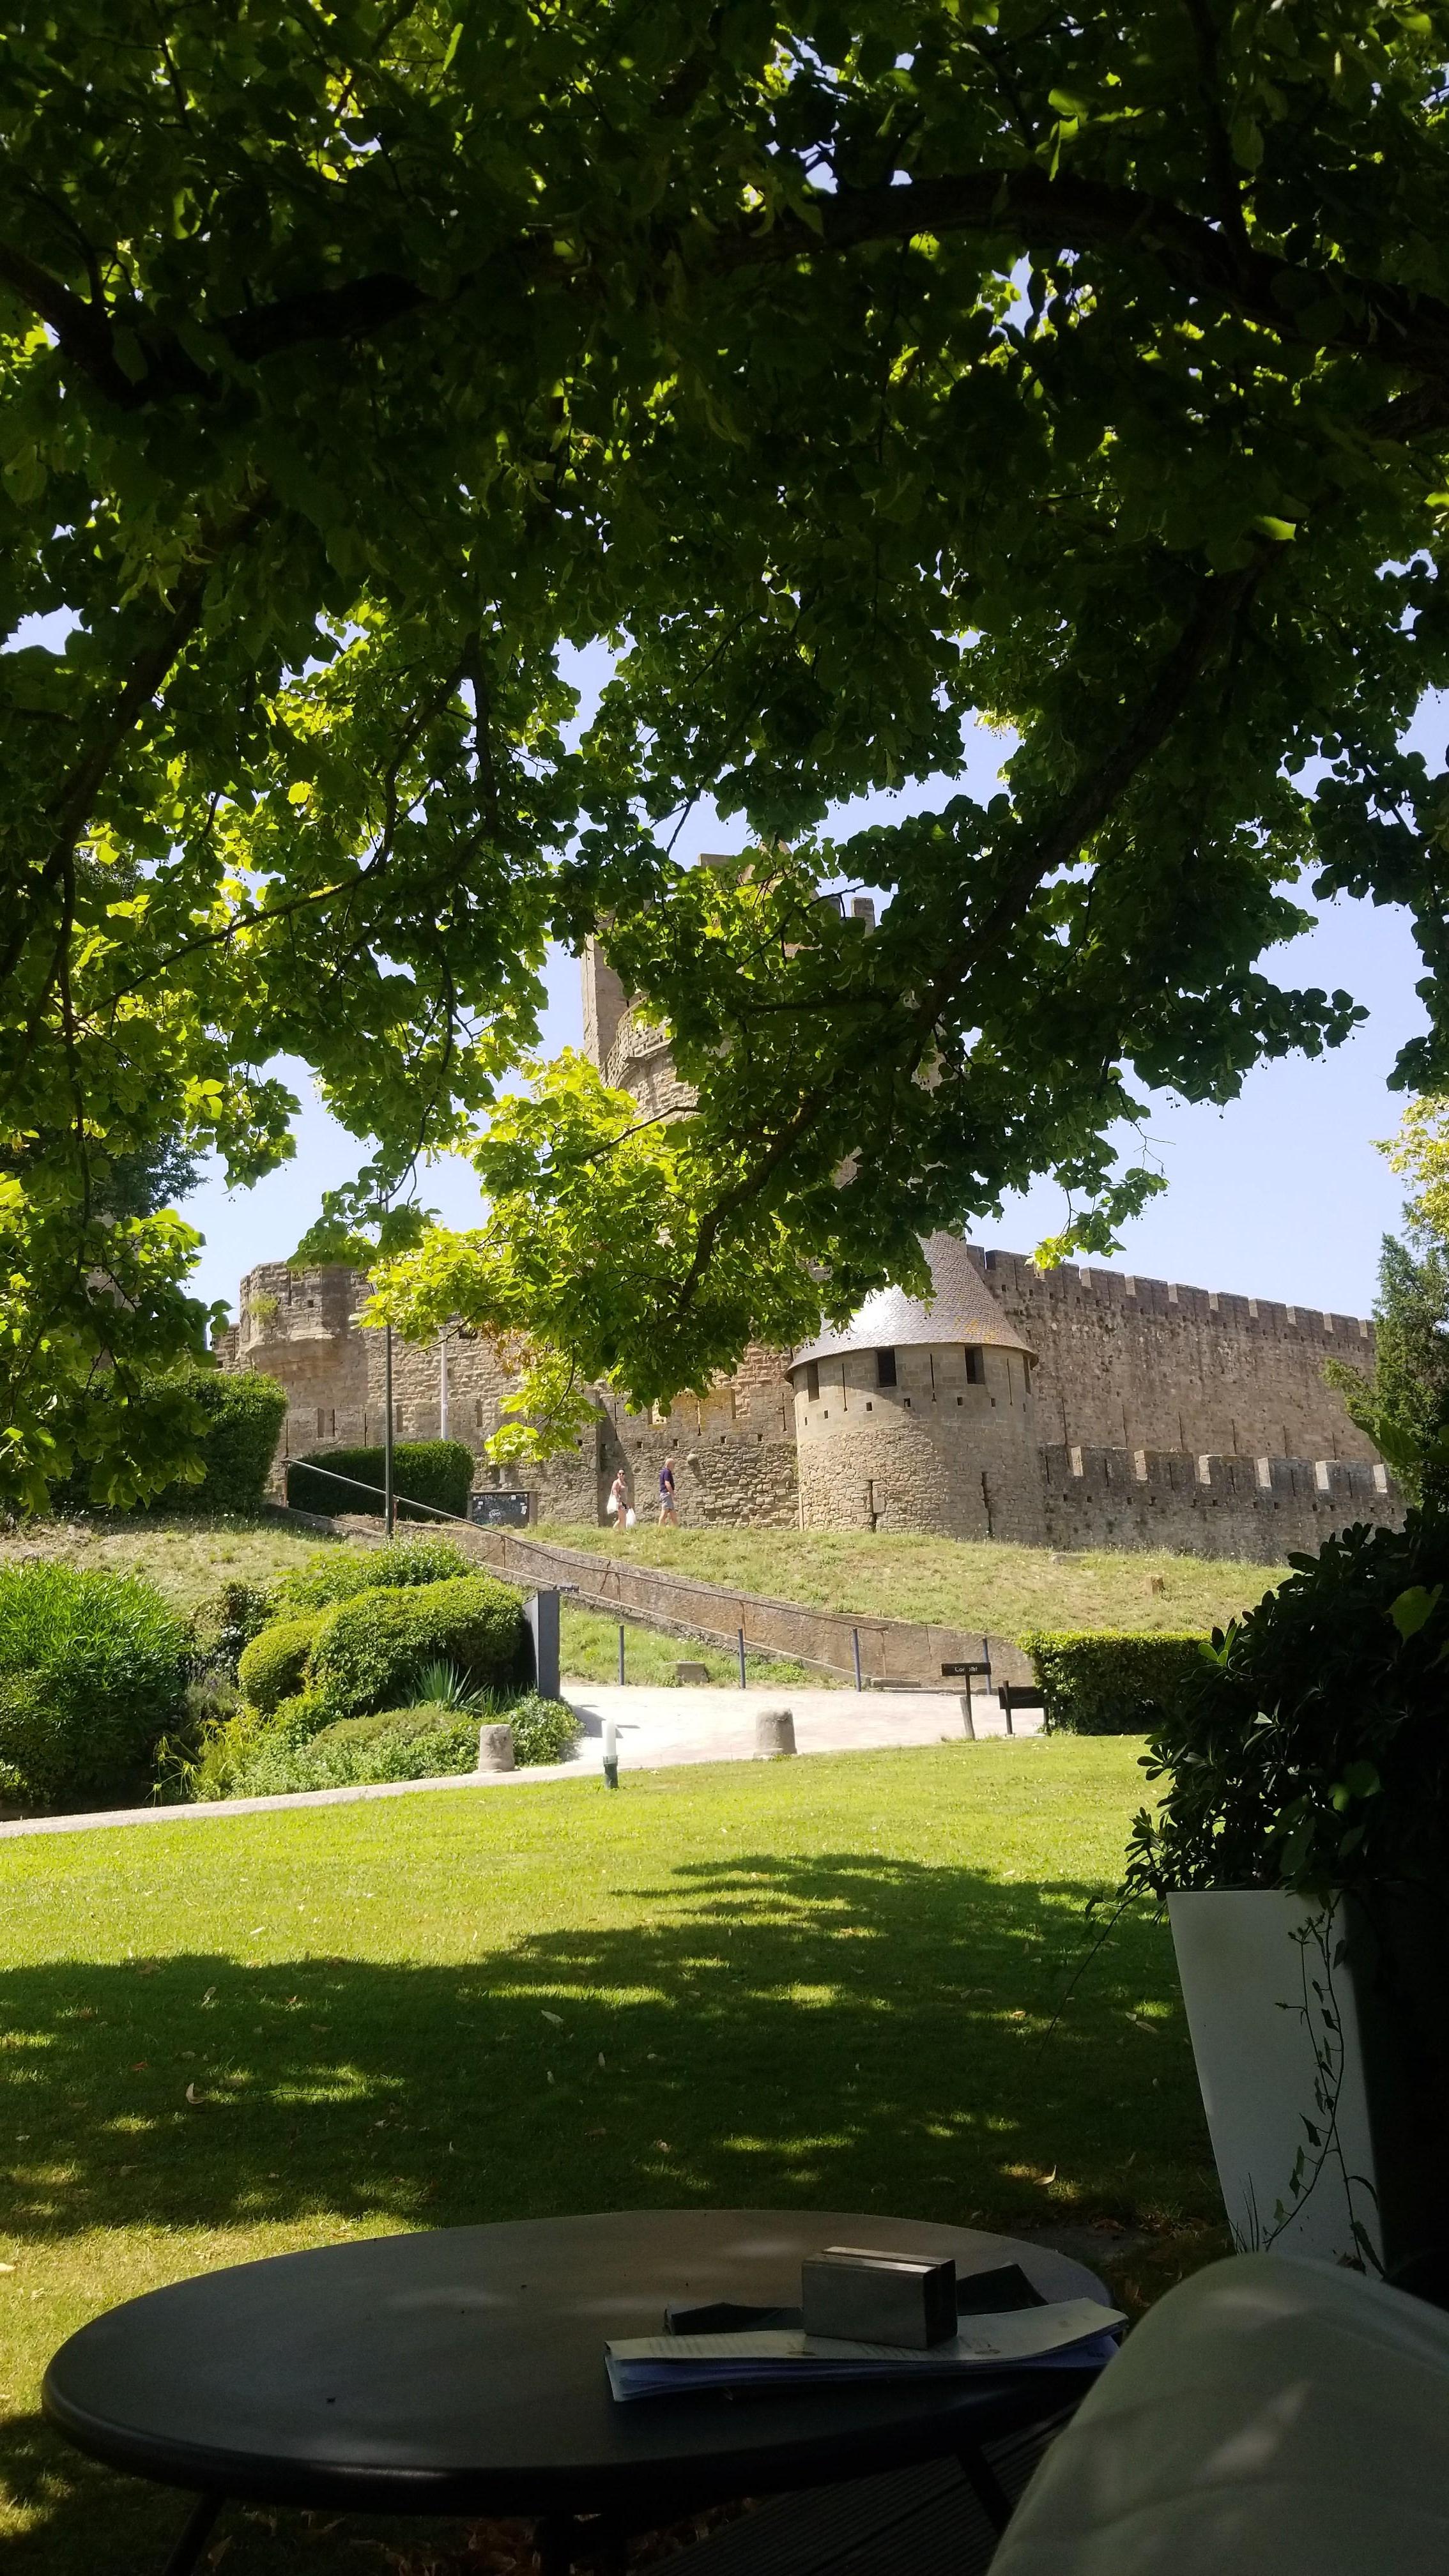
(957, 1583)
(589, 1650)
(830, 1981)
(189, 1560)
(186, 1559)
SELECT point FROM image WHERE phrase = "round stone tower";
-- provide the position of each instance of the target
(919, 1417)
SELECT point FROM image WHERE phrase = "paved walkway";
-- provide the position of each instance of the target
(659, 1727)
(657, 1730)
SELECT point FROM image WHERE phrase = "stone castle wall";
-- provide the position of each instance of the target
(1133, 1363)
(1258, 1508)
(734, 1449)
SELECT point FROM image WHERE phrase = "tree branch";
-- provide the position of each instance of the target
(1408, 331)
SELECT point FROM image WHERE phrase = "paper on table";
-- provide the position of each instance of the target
(1022, 2334)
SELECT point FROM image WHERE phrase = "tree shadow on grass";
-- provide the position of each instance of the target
(852, 2031)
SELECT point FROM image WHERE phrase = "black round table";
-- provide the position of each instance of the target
(462, 2371)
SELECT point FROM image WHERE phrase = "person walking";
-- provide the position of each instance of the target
(618, 1502)
(667, 1509)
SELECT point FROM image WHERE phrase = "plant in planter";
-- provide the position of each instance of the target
(1301, 1848)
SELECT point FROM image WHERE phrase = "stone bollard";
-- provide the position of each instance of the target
(774, 1733)
(691, 1673)
(495, 1748)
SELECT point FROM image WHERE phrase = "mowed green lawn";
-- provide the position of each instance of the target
(857, 1981)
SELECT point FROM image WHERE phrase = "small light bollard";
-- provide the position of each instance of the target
(774, 1733)
(611, 1751)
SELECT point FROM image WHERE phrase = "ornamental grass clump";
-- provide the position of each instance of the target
(92, 1676)
(1310, 1749)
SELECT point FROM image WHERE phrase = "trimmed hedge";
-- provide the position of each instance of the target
(244, 1416)
(92, 1675)
(243, 1421)
(337, 1573)
(369, 1651)
(1110, 1682)
(423, 1471)
(274, 1665)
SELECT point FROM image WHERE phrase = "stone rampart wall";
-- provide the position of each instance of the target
(1257, 1508)
(1149, 1363)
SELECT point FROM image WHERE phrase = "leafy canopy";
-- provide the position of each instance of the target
(848, 370)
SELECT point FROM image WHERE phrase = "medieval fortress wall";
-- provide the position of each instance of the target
(1076, 1407)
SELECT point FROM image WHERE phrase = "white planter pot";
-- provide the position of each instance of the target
(1274, 2014)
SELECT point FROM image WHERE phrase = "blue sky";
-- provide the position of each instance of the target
(1280, 1195)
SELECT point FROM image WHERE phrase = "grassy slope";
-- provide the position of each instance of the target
(830, 1981)
(190, 1559)
(185, 1559)
(589, 1648)
(961, 1583)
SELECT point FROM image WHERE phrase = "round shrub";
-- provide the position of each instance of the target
(370, 1650)
(338, 1574)
(92, 1674)
(274, 1665)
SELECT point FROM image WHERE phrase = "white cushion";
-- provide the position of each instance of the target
(1269, 2417)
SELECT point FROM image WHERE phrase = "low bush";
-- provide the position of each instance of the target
(274, 1665)
(423, 1471)
(428, 1742)
(1110, 1683)
(369, 1651)
(408, 1744)
(224, 1626)
(544, 1730)
(336, 1573)
(92, 1675)
(302, 1716)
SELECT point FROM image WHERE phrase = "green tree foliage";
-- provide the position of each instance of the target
(846, 371)
(238, 1416)
(1310, 1751)
(1404, 1407)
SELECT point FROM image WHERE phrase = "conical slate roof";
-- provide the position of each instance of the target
(962, 1310)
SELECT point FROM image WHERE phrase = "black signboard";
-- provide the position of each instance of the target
(508, 1511)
